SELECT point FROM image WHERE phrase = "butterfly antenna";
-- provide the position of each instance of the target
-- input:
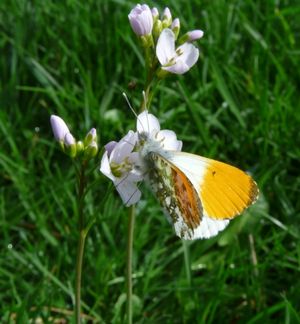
(145, 98)
(131, 108)
(129, 104)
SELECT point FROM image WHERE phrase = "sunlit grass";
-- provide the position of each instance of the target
(240, 104)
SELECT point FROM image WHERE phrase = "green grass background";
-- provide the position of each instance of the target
(240, 104)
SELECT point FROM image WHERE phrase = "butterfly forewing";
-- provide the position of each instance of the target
(225, 191)
(176, 194)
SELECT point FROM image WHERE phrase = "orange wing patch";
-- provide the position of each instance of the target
(187, 198)
(226, 190)
(176, 194)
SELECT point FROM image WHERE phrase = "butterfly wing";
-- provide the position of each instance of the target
(176, 194)
(224, 190)
(200, 195)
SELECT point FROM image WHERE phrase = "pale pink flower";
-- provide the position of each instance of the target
(176, 61)
(121, 164)
(141, 20)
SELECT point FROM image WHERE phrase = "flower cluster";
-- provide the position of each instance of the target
(162, 34)
(88, 147)
(123, 161)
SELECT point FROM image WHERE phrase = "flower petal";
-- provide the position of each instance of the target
(169, 140)
(147, 123)
(165, 48)
(128, 191)
(124, 147)
(105, 167)
(110, 146)
(179, 67)
(190, 54)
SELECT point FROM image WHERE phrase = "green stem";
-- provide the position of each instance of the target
(81, 243)
(187, 261)
(129, 263)
(80, 251)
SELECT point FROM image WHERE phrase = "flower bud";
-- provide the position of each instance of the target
(70, 145)
(79, 147)
(167, 18)
(191, 36)
(157, 28)
(195, 35)
(155, 14)
(141, 20)
(59, 128)
(90, 137)
(91, 151)
(176, 27)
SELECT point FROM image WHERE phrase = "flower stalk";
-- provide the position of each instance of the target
(129, 262)
(81, 242)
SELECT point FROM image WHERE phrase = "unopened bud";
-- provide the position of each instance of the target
(155, 14)
(176, 27)
(195, 35)
(167, 18)
(70, 145)
(191, 36)
(90, 137)
(141, 20)
(59, 128)
(79, 147)
(91, 151)
(157, 28)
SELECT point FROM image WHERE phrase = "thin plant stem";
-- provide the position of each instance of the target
(187, 261)
(80, 250)
(129, 263)
(81, 242)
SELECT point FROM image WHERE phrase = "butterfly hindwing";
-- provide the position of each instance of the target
(176, 194)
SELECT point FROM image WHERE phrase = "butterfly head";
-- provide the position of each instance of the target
(154, 140)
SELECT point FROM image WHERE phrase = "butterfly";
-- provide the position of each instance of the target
(199, 195)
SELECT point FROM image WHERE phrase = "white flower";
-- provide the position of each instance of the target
(121, 164)
(59, 128)
(176, 61)
(141, 20)
(152, 138)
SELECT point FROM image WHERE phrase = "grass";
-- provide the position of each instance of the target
(240, 105)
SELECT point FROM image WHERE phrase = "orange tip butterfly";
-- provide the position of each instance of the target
(200, 195)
